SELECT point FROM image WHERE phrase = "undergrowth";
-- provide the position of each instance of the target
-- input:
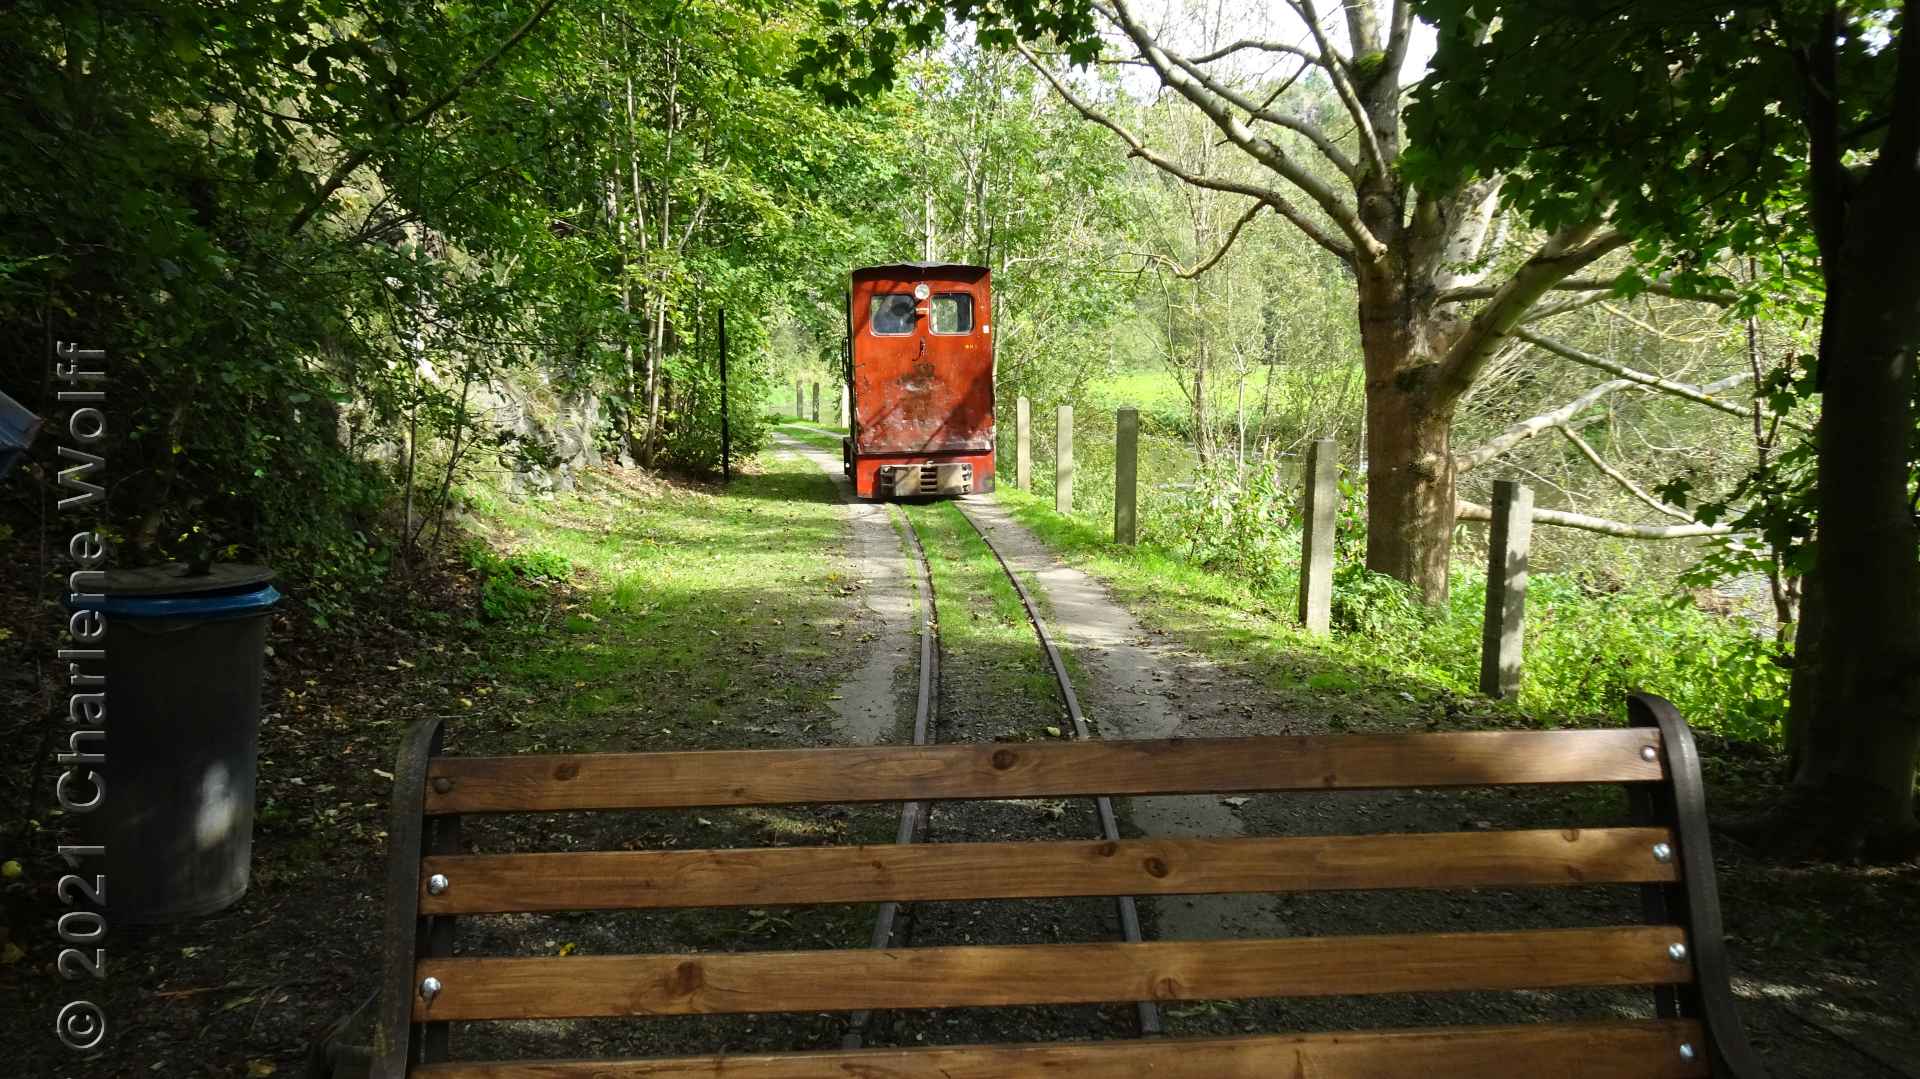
(1219, 547)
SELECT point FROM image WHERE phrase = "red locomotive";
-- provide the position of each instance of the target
(920, 370)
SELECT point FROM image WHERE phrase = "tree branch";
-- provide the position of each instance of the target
(1547, 311)
(1697, 394)
(1225, 246)
(1473, 511)
(1343, 87)
(1313, 134)
(359, 157)
(1533, 425)
(1621, 478)
(1345, 217)
(1264, 46)
(1660, 286)
(1399, 34)
(1140, 149)
(1567, 251)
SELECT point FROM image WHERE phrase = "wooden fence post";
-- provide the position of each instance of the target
(1063, 460)
(1023, 444)
(1504, 633)
(799, 400)
(726, 429)
(1126, 474)
(816, 402)
(846, 406)
(1321, 504)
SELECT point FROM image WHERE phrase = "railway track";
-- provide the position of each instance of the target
(913, 815)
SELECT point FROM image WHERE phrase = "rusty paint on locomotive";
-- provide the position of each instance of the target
(920, 397)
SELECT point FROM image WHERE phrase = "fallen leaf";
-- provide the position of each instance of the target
(256, 1069)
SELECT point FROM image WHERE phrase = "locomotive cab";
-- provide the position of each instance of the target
(920, 375)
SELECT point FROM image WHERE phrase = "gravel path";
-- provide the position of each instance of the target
(1128, 678)
(869, 705)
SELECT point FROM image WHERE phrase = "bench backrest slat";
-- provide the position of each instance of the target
(782, 876)
(973, 976)
(1677, 953)
(1604, 1050)
(713, 778)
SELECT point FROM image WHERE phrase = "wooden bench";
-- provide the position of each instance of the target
(1677, 954)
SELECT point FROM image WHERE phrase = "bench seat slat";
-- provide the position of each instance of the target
(1645, 1049)
(610, 880)
(830, 981)
(682, 780)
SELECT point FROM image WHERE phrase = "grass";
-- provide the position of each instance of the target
(695, 616)
(1220, 613)
(984, 625)
(1151, 391)
(1585, 649)
(819, 436)
(691, 617)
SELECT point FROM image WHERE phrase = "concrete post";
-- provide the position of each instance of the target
(1126, 474)
(1504, 632)
(799, 400)
(1321, 504)
(816, 402)
(1063, 460)
(1023, 444)
(846, 407)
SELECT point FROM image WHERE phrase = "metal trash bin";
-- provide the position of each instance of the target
(17, 430)
(183, 666)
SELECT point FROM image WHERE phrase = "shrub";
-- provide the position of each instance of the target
(505, 590)
(1375, 605)
(1245, 527)
(1587, 646)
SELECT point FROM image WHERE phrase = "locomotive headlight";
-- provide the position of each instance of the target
(921, 291)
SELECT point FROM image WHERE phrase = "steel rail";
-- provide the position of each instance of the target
(1148, 1012)
(913, 815)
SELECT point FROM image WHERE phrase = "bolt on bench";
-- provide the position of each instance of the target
(1677, 954)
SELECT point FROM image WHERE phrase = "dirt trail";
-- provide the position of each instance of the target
(869, 704)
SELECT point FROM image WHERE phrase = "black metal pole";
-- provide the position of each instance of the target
(726, 431)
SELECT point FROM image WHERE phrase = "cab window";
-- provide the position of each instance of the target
(952, 313)
(890, 314)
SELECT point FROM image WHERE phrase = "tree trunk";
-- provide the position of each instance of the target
(1804, 691)
(1856, 761)
(1409, 420)
(1202, 444)
(1853, 786)
(1240, 426)
(1410, 493)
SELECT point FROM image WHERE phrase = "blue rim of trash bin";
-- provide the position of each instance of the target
(233, 603)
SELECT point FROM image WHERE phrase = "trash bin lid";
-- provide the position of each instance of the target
(172, 579)
(229, 588)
